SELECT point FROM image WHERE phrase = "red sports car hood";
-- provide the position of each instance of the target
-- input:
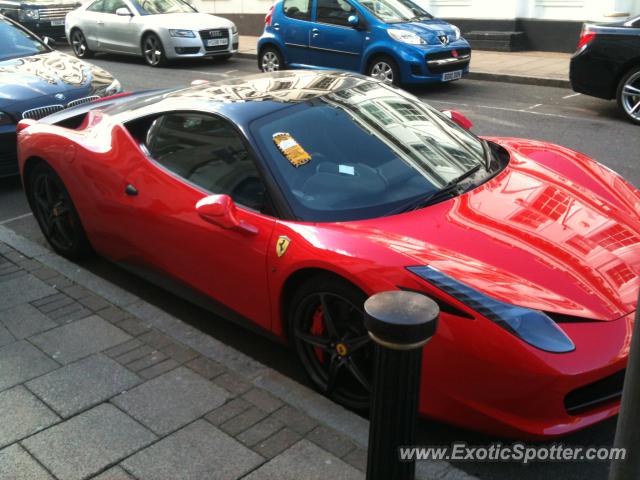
(554, 231)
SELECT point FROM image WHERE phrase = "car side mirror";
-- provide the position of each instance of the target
(353, 20)
(123, 12)
(459, 118)
(49, 42)
(221, 210)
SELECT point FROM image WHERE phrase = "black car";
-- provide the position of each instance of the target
(36, 80)
(44, 17)
(607, 64)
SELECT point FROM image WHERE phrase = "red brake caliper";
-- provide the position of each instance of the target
(317, 329)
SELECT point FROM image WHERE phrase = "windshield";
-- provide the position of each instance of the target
(15, 42)
(396, 11)
(157, 7)
(363, 152)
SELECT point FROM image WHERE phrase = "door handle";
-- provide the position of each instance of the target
(314, 30)
(131, 190)
(100, 22)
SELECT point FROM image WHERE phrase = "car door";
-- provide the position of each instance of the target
(88, 23)
(191, 156)
(295, 29)
(334, 43)
(117, 33)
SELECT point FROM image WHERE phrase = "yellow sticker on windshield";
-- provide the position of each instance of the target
(291, 149)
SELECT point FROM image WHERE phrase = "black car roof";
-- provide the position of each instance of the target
(245, 98)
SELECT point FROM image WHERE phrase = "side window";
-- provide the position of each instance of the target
(298, 9)
(208, 152)
(96, 6)
(335, 12)
(110, 6)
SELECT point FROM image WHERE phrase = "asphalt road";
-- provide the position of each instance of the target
(557, 115)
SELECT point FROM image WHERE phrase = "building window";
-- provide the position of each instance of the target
(615, 237)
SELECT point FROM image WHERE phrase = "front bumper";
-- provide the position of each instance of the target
(44, 28)
(420, 64)
(498, 385)
(180, 47)
(8, 156)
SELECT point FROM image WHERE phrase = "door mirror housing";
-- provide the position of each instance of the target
(353, 20)
(49, 42)
(123, 12)
(459, 118)
(221, 210)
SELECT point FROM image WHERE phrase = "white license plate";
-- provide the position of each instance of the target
(455, 75)
(216, 42)
(57, 23)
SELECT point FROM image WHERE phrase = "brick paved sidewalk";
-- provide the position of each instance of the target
(91, 389)
(536, 68)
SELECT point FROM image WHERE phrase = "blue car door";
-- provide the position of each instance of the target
(334, 43)
(296, 29)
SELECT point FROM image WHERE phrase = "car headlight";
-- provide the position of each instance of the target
(456, 33)
(182, 33)
(405, 36)
(234, 30)
(6, 119)
(532, 326)
(113, 88)
(28, 14)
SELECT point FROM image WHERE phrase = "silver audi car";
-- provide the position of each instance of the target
(159, 30)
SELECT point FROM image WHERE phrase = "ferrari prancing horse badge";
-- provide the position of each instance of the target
(282, 244)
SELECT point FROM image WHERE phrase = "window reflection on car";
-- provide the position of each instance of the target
(395, 11)
(377, 150)
(159, 7)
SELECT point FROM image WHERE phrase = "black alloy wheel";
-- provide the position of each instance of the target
(56, 214)
(327, 329)
(79, 44)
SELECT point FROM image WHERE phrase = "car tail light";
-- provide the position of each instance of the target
(268, 17)
(586, 36)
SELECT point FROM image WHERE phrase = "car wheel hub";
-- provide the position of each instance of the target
(631, 96)
(336, 347)
(270, 62)
(382, 71)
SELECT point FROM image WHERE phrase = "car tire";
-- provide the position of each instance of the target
(270, 60)
(56, 214)
(385, 69)
(79, 44)
(153, 51)
(628, 95)
(335, 351)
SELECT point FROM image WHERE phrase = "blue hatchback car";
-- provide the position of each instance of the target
(395, 41)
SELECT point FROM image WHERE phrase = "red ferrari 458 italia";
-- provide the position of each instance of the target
(285, 199)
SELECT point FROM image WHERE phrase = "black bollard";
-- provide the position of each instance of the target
(627, 431)
(400, 323)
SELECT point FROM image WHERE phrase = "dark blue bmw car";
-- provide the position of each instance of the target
(36, 81)
(395, 41)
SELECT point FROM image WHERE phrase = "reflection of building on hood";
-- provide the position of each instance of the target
(100, 78)
(51, 67)
(281, 88)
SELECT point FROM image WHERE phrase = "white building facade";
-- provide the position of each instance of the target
(552, 25)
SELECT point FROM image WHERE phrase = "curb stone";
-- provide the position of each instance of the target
(303, 398)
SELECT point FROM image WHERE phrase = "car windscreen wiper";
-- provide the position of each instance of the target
(450, 188)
